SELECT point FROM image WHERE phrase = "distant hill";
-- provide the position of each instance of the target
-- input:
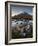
(23, 15)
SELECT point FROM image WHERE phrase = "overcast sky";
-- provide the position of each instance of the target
(18, 9)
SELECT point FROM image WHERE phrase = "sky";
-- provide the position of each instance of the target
(20, 9)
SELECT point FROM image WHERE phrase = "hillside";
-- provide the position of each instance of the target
(22, 15)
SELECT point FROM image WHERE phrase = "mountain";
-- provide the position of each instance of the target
(23, 15)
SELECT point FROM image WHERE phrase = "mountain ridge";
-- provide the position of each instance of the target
(23, 15)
